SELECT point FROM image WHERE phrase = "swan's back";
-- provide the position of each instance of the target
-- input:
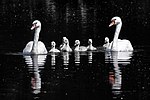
(41, 48)
(123, 45)
(81, 48)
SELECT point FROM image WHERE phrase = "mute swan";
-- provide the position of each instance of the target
(118, 44)
(78, 47)
(65, 45)
(35, 46)
(53, 49)
(90, 46)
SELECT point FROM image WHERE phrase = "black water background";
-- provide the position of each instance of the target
(75, 19)
(86, 80)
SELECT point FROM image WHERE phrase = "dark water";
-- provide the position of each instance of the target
(76, 76)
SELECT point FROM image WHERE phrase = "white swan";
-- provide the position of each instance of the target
(90, 47)
(78, 47)
(53, 49)
(118, 44)
(35, 46)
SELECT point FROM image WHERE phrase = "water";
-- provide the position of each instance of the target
(76, 75)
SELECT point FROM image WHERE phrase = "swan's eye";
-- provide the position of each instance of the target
(35, 23)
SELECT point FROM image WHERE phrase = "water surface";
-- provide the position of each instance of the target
(76, 75)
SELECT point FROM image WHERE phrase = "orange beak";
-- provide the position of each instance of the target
(33, 26)
(112, 23)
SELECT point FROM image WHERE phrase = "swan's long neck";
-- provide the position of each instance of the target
(116, 35)
(35, 41)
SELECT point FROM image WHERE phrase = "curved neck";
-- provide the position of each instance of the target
(53, 47)
(77, 47)
(116, 35)
(35, 41)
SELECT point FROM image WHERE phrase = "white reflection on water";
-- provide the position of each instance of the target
(77, 58)
(35, 63)
(65, 56)
(115, 77)
(119, 57)
(90, 56)
(53, 59)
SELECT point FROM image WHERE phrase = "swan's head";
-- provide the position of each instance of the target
(90, 41)
(53, 44)
(77, 43)
(36, 24)
(106, 40)
(115, 21)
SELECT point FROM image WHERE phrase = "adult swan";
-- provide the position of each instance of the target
(118, 44)
(35, 46)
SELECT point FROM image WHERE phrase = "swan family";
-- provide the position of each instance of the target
(38, 47)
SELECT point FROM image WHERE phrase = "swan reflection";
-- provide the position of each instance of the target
(115, 76)
(35, 63)
(119, 57)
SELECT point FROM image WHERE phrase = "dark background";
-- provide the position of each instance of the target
(75, 19)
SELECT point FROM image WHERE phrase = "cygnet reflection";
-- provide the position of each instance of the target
(65, 56)
(90, 56)
(77, 58)
(53, 59)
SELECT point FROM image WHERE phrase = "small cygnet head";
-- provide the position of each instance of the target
(106, 40)
(77, 43)
(64, 39)
(90, 41)
(53, 44)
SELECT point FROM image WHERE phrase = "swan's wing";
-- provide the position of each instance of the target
(28, 47)
(124, 45)
(41, 48)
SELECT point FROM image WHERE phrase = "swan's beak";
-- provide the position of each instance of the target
(112, 23)
(33, 27)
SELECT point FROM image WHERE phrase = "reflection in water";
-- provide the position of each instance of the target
(35, 62)
(115, 76)
(65, 58)
(53, 59)
(121, 57)
(90, 54)
(77, 58)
